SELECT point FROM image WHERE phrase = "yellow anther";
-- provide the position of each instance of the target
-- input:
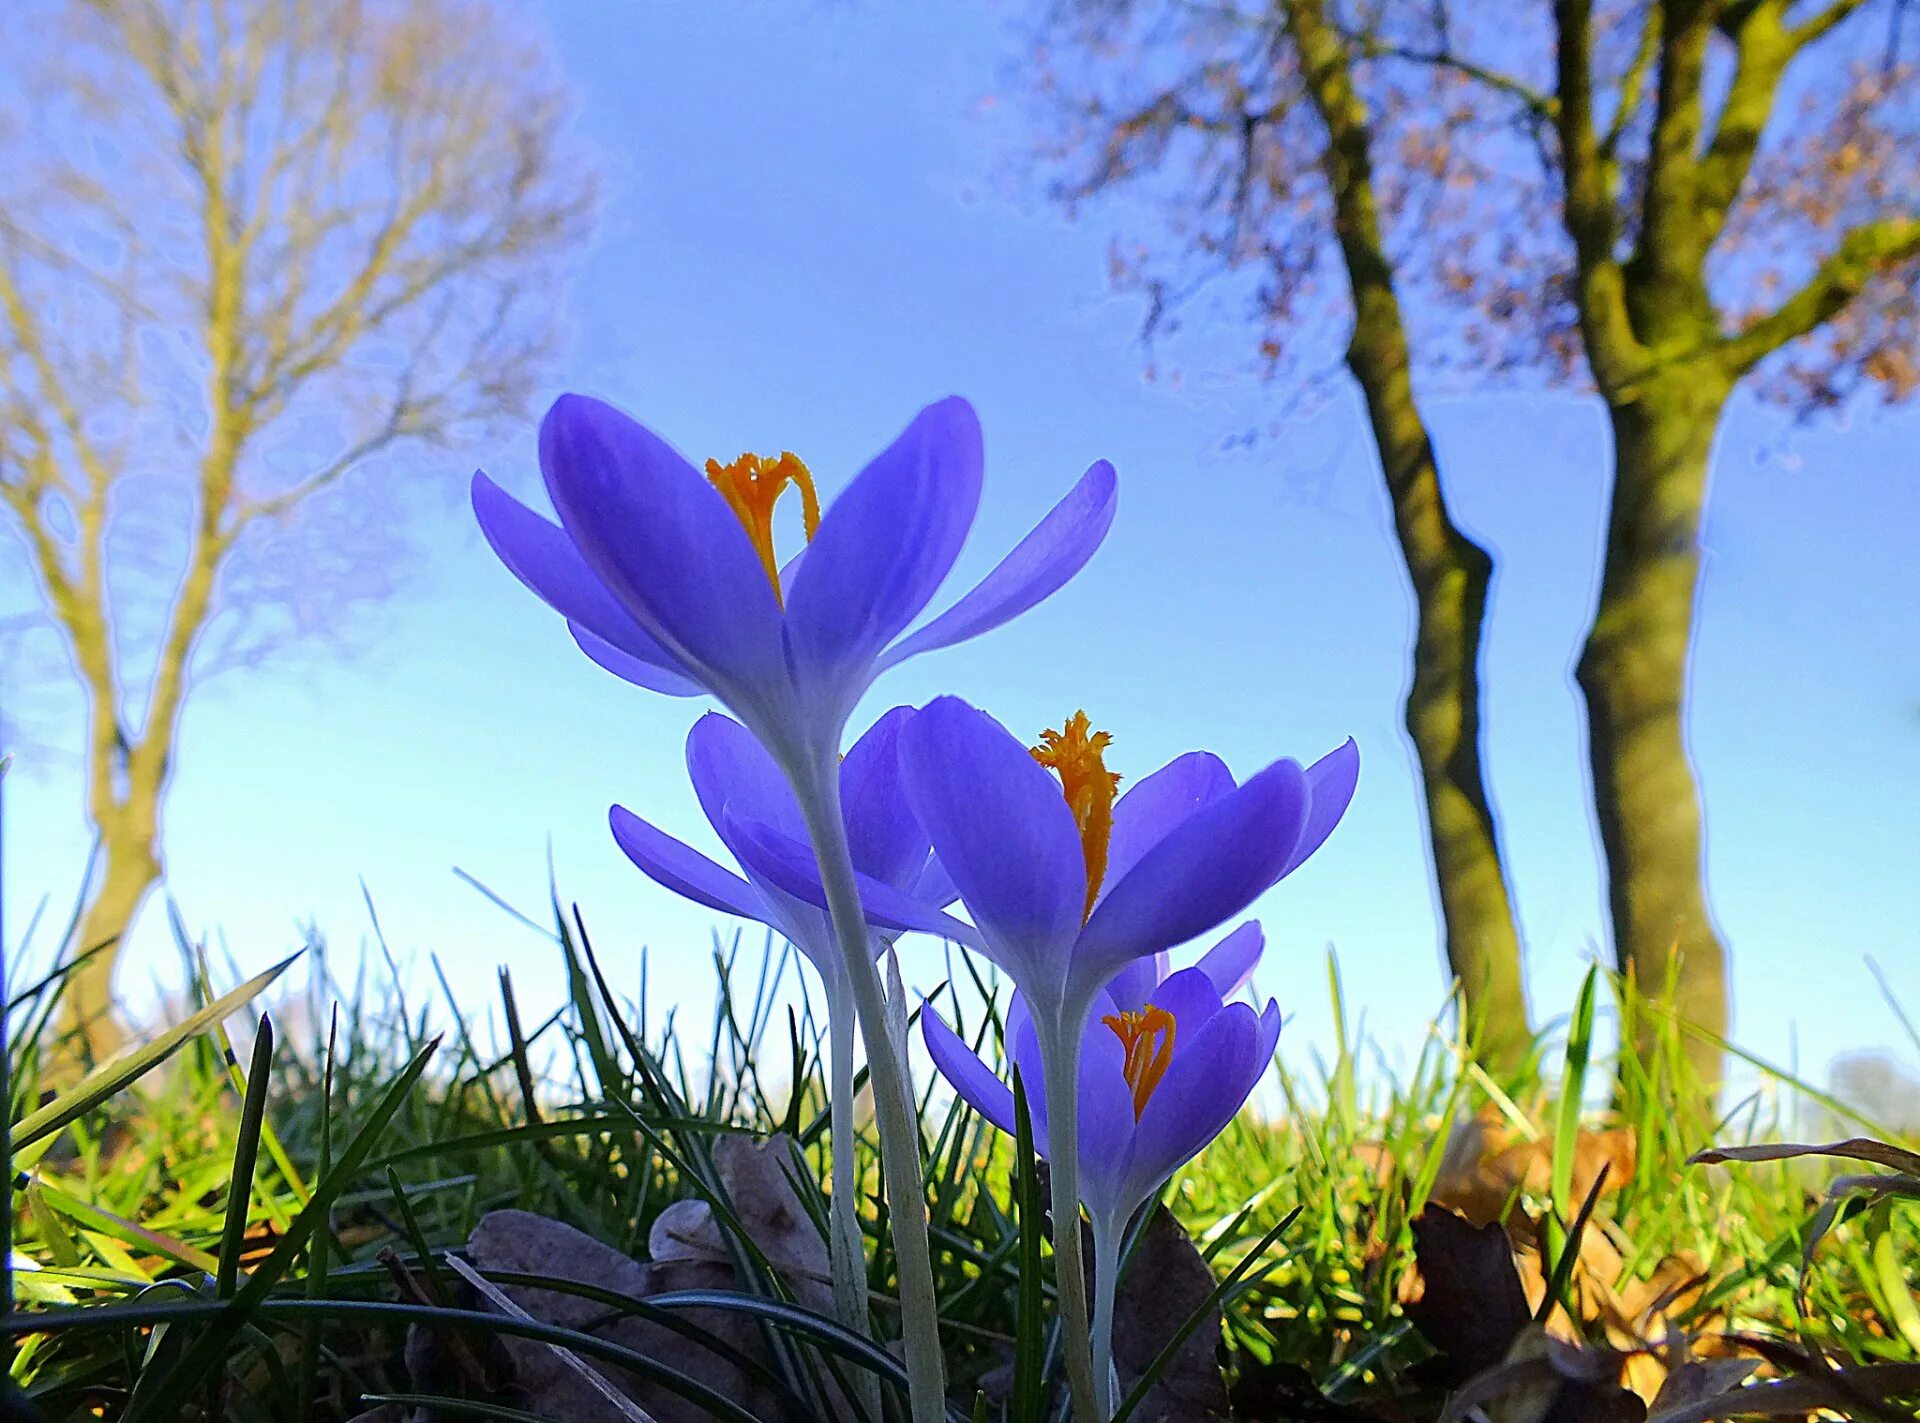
(752, 485)
(1076, 754)
(1147, 1037)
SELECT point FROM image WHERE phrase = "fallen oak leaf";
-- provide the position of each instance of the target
(1471, 1306)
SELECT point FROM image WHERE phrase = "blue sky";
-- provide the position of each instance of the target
(814, 226)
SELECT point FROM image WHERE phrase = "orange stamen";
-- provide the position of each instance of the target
(1148, 1039)
(1076, 753)
(752, 485)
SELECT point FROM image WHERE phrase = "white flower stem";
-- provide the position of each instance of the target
(1069, 1261)
(846, 1246)
(893, 1104)
(1107, 1235)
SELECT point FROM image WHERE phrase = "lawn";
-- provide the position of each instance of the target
(377, 1134)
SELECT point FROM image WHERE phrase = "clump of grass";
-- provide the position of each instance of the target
(212, 1233)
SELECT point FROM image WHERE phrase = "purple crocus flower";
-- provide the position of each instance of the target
(731, 770)
(733, 775)
(668, 577)
(1157, 1082)
(1067, 886)
(1158, 1079)
(1067, 891)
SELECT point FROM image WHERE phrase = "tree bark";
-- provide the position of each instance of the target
(1450, 575)
(1449, 572)
(1633, 675)
(130, 867)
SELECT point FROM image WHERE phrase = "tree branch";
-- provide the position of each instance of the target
(1633, 86)
(1667, 271)
(1820, 24)
(1862, 255)
(1764, 48)
(1592, 223)
(1541, 108)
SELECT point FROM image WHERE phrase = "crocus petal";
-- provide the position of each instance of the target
(1057, 548)
(934, 885)
(882, 831)
(1269, 1034)
(683, 869)
(1023, 1057)
(1203, 1090)
(1231, 962)
(971, 1078)
(886, 544)
(539, 553)
(661, 537)
(789, 865)
(1150, 809)
(1003, 832)
(1134, 984)
(1106, 1117)
(1210, 867)
(1191, 998)
(1331, 780)
(652, 676)
(733, 773)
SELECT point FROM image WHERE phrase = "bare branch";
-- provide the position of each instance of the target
(1540, 107)
(1633, 85)
(1764, 47)
(309, 234)
(1612, 346)
(1823, 22)
(1862, 255)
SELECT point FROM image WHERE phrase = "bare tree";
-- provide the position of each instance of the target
(1714, 231)
(250, 251)
(1248, 130)
(1660, 202)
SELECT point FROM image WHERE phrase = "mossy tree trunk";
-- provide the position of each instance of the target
(1448, 571)
(130, 866)
(1666, 358)
(1633, 676)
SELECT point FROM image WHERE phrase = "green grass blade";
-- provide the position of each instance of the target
(829, 1333)
(1171, 1349)
(440, 1406)
(1573, 1086)
(1029, 1347)
(106, 1080)
(164, 1398)
(246, 1154)
(371, 1313)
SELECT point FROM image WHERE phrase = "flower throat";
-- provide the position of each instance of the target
(752, 485)
(1147, 1037)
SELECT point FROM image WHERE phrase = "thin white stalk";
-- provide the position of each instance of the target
(1107, 1235)
(1069, 1260)
(893, 1105)
(846, 1248)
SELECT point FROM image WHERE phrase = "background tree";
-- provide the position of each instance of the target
(250, 250)
(1661, 201)
(1763, 152)
(1247, 131)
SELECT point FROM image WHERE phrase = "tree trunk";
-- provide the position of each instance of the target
(1633, 674)
(1449, 573)
(130, 866)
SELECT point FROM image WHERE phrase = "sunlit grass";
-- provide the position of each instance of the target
(381, 1130)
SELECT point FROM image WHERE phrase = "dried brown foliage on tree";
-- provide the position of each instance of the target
(1658, 200)
(250, 251)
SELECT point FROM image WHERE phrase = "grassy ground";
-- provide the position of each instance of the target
(376, 1133)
